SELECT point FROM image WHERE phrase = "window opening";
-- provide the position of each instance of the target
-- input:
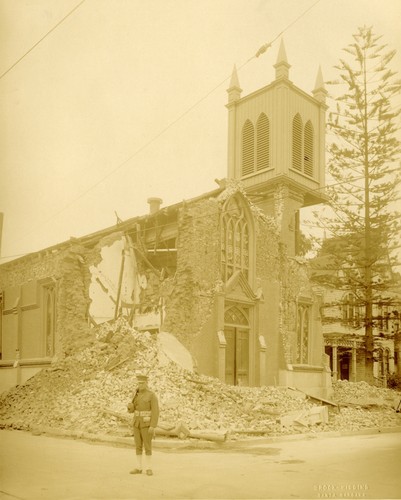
(236, 316)
(262, 142)
(303, 330)
(247, 148)
(350, 309)
(297, 143)
(235, 240)
(49, 318)
(302, 146)
(308, 150)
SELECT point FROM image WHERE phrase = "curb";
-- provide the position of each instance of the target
(198, 444)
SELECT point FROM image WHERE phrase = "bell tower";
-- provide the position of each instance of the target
(276, 146)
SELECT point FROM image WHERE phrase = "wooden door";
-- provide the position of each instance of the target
(229, 333)
(242, 356)
(237, 355)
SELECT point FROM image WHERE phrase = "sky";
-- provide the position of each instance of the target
(125, 99)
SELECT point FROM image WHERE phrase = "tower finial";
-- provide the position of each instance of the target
(319, 92)
(282, 55)
(234, 82)
(234, 90)
(282, 67)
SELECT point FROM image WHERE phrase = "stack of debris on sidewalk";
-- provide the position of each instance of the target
(89, 392)
(361, 403)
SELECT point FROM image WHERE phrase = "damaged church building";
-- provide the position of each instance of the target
(221, 272)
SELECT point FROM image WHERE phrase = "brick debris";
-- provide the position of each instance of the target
(89, 391)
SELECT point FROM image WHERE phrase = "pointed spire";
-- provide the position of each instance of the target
(319, 91)
(282, 54)
(234, 78)
(234, 90)
(282, 66)
(319, 79)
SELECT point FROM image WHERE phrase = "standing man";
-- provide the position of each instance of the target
(145, 408)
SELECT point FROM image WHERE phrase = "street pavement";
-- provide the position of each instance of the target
(53, 468)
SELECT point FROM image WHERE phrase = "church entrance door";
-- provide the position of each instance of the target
(237, 348)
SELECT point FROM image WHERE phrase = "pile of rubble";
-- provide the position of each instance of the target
(363, 405)
(89, 392)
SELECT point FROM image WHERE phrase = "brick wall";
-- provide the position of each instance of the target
(68, 268)
(189, 294)
(73, 300)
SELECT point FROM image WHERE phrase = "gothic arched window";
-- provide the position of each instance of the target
(236, 316)
(235, 240)
(303, 326)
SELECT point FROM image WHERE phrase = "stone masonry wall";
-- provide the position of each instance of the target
(189, 294)
(68, 267)
(273, 266)
(294, 284)
(268, 250)
(73, 300)
(35, 266)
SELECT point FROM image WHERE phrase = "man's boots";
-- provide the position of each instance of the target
(138, 470)
(148, 465)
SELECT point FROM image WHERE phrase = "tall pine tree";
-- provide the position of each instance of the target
(363, 163)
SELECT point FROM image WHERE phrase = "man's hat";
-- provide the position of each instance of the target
(141, 376)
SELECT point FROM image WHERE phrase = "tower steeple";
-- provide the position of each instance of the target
(276, 146)
(319, 92)
(234, 90)
(282, 67)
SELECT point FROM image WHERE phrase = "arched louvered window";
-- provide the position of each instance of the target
(308, 149)
(248, 155)
(262, 142)
(297, 143)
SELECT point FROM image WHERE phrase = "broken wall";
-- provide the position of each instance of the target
(67, 269)
(115, 282)
(189, 295)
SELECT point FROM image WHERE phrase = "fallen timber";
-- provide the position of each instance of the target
(175, 430)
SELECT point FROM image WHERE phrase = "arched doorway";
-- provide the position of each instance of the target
(236, 332)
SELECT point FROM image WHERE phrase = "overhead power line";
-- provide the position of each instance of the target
(165, 129)
(182, 115)
(207, 215)
(267, 45)
(43, 37)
